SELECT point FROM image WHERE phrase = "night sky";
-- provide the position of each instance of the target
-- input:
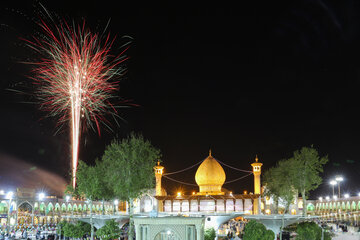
(253, 78)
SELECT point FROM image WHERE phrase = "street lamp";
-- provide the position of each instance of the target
(346, 195)
(327, 198)
(333, 183)
(67, 198)
(320, 198)
(339, 179)
(41, 196)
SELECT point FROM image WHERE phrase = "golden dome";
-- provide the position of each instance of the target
(210, 176)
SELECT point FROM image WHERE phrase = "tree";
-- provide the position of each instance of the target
(307, 166)
(257, 231)
(210, 234)
(77, 230)
(110, 230)
(310, 231)
(91, 185)
(278, 183)
(129, 169)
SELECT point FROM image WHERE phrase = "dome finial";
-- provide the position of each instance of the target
(256, 158)
(210, 152)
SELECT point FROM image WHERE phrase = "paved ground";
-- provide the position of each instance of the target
(347, 236)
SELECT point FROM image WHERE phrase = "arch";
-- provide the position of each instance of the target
(97, 207)
(85, 208)
(310, 207)
(330, 206)
(42, 207)
(80, 208)
(69, 207)
(348, 205)
(338, 206)
(343, 206)
(57, 207)
(353, 206)
(25, 206)
(327, 206)
(93, 208)
(167, 234)
(358, 205)
(63, 207)
(36, 206)
(50, 207)
(75, 208)
(3, 208)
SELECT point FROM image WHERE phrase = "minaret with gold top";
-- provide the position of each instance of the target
(158, 175)
(257, 184)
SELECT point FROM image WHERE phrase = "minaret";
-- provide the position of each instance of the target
(158, 174)
(257, 184)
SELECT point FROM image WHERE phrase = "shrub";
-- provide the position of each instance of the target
(257, 231)
(210, 234)
(310, 231)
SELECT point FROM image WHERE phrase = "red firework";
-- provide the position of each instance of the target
(74, 78)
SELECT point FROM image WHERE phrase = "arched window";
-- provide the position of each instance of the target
(42, 207)
(50, 208)
(57, 207)
(63, 208)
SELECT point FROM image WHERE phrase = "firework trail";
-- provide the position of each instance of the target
(74, 78)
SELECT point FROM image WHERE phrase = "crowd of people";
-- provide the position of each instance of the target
(47, 232)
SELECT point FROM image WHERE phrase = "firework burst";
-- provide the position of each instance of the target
(74, 78)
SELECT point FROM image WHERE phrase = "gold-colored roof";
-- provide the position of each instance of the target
(210, 173)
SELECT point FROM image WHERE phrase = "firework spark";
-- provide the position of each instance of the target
(74, 78)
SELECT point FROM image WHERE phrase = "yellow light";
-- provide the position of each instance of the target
(245, 192)
(179, 194)
(268, 211)
(230, 193)
(193, 193)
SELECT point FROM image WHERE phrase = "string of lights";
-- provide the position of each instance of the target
(190, 184)
(183, 170)
(237, 179)
(237, 169)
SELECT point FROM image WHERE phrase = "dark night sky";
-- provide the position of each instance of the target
(256, 78)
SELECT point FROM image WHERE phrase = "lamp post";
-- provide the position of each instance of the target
(333, 183)
(339, 179)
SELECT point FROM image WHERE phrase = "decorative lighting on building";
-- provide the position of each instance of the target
(327, 198)
(346, 195)
(335, 197)
(67, 198)
(116, 202)
(179, 194)
(320, 198)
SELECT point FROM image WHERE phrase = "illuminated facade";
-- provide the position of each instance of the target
(25, 208)
(211, 197)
